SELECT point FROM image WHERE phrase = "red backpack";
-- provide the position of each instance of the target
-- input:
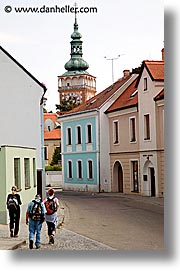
(50, 206)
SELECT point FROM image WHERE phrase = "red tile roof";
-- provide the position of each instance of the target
(98, 100)
(129, 98)
(155, 69)
(159, 96)
(53, 134)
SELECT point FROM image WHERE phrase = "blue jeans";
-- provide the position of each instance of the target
(35, 228)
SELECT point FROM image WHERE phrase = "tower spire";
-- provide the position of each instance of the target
(75, 14)
(76, 65)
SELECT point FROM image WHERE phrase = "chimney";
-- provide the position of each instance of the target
(126, 73)
(162, 54)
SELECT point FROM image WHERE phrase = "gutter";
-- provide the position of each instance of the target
(78, 113)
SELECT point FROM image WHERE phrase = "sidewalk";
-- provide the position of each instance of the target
(65, 239)
(9, 243)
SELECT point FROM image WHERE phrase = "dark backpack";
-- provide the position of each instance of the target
(36, 211)
(50, 206)
(12, 204)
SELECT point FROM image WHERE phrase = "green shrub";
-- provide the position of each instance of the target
(53, 168)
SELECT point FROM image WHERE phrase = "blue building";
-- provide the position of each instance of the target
(80, 153)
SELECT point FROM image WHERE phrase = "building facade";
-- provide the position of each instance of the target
(21, 134)
(136, 130)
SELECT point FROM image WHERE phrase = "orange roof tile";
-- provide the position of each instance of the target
(156, 69)
(55, 133)
(127, 99)
(159, 96)
(97, 101)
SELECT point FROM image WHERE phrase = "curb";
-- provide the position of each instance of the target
(17, 245)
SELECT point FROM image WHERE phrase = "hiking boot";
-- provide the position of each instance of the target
(31, 244)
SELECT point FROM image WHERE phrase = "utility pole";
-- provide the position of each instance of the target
(112, 64)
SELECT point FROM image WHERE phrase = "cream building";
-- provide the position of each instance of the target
(136, 130)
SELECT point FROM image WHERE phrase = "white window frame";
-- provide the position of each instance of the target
(116, 142)
(68, 174)
(131, 173)
(77, 169)
(87, 140)
(146, 138)
(78, 126)
(145, 84)
(67, 136)
(130, 129)
(88, 174)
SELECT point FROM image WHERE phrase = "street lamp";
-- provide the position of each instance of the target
(112, 63)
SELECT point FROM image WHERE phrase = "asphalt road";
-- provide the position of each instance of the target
(118, 222)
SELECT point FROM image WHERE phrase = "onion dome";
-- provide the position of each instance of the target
(76, 65)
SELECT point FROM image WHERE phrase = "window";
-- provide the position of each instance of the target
(27, 173)
(17, 173)
(34, 172)
(69, 141)
(132, 129)
(46, 153)
(79, 169)
(79, 135)
(146, 127)
(90, 169)
(89, 133)
(69, 169)
(135, 184)
(145, 84)
(116, 132)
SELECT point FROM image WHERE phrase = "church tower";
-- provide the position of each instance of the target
(76, 82)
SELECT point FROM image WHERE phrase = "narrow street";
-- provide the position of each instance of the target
(117, 221)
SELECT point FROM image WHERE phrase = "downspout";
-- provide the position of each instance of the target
(42, 148)
(99, 150)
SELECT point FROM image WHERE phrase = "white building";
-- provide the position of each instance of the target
(21, 127)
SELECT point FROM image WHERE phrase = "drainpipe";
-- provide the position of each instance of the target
(99, 150)
(42, 149)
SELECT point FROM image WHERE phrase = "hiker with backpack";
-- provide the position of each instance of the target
(51, 204)
(13, 203)
(35, 217)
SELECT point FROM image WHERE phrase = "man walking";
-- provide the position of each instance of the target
(35, 217)
(52, 205)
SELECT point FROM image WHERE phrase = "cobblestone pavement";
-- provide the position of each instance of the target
(67, 240)
(64, 239)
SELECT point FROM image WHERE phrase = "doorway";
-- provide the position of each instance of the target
(152, 178)
(117, 178)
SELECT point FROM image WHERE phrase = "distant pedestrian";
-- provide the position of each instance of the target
(35, 217)
(51, 203)
(13, 203)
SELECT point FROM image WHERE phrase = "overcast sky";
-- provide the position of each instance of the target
(41, 41)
